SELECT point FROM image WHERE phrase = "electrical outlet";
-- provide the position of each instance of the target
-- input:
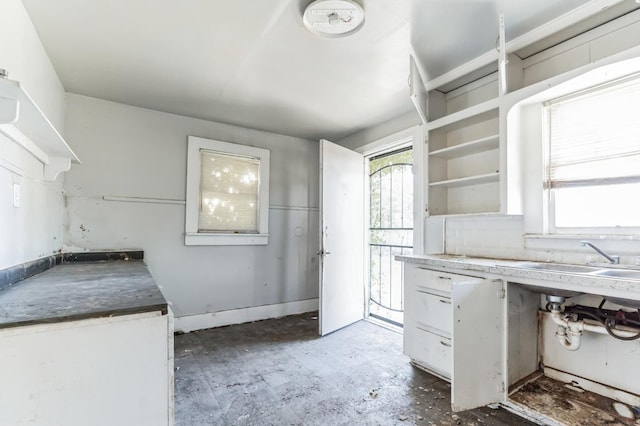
(16, 195)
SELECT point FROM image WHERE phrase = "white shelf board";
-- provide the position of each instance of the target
(464, 114)
(468, 148)
(34, 131)
(467, 181)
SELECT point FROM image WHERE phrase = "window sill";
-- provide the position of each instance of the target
(196, 239)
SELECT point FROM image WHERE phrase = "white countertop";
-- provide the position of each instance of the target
(513, 271)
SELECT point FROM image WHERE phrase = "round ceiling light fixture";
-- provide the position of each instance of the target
(333, 18)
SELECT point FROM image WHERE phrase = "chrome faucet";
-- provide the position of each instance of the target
(612, 259)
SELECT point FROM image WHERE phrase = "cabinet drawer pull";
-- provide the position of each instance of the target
(448, 302)
(443, 277)
(443, 343)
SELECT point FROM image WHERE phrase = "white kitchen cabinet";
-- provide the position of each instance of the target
(466, 147)
(428, 319)
(88, 341)
(102, 371)
(454, 327)
(464, 165)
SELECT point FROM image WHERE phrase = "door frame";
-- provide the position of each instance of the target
(415, 137)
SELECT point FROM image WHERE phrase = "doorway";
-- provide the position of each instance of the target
(390, 232)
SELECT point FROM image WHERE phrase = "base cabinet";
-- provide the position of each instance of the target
(104, 371)
(455, 328)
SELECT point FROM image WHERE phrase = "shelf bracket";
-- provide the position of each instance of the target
(9, 110)
(55, 166)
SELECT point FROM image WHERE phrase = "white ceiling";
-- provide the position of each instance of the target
(252, 63)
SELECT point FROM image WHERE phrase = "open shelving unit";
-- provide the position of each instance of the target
(472, 165)
(22, 121)
(463, 149)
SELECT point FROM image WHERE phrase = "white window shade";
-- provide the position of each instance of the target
(595, 137)
(227, 200)
(593, 160)
(229, 193)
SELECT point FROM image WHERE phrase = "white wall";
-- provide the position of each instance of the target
(135, 152)
(366, 136)
(34, 229)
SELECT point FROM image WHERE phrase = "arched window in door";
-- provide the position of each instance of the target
(390, 231)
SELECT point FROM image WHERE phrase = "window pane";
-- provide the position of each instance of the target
(599, 206)
(594, 135)
(229, 187)
(594, 153)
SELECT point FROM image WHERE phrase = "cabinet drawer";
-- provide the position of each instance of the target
(434, 352)
(434, 312)
(438, 282)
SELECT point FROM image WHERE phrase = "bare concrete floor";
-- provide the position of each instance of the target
(279, 372)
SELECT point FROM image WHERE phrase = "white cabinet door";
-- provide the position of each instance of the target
(479, 330)
(99, 372)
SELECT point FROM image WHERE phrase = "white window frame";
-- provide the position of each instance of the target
(192, 234)
(549, 195)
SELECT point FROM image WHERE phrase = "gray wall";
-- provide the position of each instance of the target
(34, 229)
(133, 152)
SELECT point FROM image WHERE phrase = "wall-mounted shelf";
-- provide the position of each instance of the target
(28, 126)
(467, 181)
(464, 114)
(468, 148)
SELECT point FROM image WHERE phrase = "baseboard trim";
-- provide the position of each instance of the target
(190, 323)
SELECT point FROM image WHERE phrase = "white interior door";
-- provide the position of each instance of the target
(341, 237)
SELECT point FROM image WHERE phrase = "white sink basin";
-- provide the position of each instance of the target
(559, 267)
(619, 273)
(604, 272)
(550, 291)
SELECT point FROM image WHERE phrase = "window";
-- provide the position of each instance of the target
(593, 159)
(227, 193)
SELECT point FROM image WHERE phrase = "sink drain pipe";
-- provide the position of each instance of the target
(570, 328)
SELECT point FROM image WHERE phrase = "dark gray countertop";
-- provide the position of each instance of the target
(73, 291)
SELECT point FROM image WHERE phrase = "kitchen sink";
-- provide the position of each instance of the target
(618, 273)
(549, 291)
(601, 271)
(559, 267)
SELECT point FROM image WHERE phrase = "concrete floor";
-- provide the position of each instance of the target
(279, 372)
